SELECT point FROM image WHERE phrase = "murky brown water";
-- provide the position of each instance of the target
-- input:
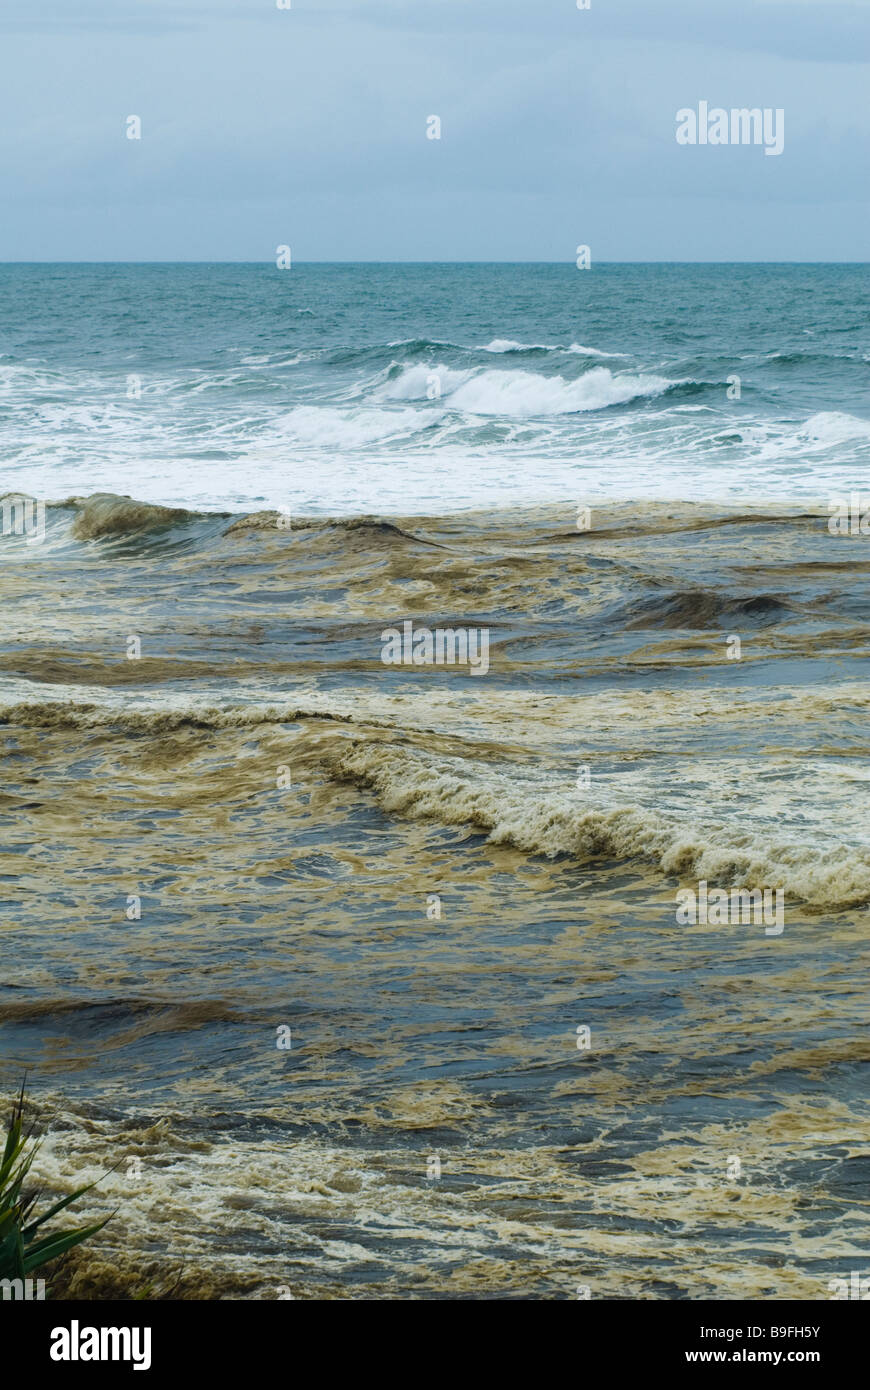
(401, 865)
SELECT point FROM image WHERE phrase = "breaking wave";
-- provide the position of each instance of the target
(554, 824)
(457, 790)
(525, 394)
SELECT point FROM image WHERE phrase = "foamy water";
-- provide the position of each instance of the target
(345, 390)
(228, 821)
(284, 809)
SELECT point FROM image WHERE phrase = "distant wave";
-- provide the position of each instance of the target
(509, 345)
(592, 352)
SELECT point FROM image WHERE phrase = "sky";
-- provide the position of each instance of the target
(307, 127)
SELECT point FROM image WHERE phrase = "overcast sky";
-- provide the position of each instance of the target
(307, 126)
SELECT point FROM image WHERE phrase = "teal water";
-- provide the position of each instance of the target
(360, 388)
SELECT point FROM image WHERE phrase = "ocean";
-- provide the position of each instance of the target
(347, 389)
(353, 975)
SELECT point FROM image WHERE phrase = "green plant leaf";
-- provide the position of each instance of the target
(53, 1246)
(19, 1252)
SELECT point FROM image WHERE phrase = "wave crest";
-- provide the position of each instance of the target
(105, 514)
(554, 824)
(526, 394)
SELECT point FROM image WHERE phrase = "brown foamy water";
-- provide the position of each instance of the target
(433, 879)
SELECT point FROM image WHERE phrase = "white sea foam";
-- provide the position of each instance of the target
(414, 383)
(497, 435)
(827, 431)
(346, 428)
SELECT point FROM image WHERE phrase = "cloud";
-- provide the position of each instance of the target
(302, 118)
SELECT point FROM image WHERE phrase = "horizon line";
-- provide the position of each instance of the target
(568, 262)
